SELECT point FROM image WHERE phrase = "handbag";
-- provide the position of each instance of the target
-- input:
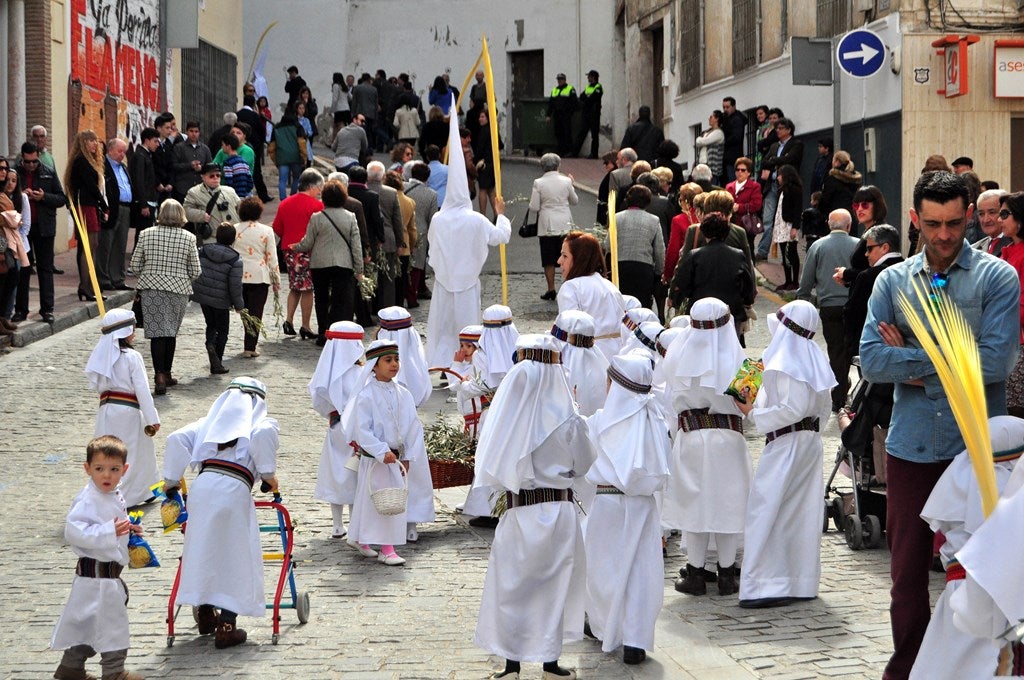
(751, 224)
(528, 229)
(137, 310)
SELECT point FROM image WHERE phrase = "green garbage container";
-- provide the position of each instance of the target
(532, 131)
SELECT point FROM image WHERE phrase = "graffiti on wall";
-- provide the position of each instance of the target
(115, 66)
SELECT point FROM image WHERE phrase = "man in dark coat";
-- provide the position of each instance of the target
(733, 126)
(643, 136)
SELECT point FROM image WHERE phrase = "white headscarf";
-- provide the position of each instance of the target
(233, 416)
(586, 365)
(344, 347)
(117, 324)
(471, 334)
(396, 324)
(632, 318)
(644, 339)
(792, 350)
(498, 341)
(680, 321)
(709, 352)
(630, 302)
(532, 402)
(374, 351)
(630, 430)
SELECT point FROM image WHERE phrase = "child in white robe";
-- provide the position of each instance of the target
(632, 318)
(534, 590)
(116, 371)
(644, 339)
(711, 469)
(782, 534)
(95, 619)
(954, 508)
(222, 559)
(396, 324)
(381, 419)
(625, 570)
(586, 365)
(473, 393)
(330, 388)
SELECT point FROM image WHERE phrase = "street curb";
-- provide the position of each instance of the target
(33, 331)
(525, 160)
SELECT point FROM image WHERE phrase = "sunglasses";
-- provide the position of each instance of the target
(862, 204)
(742, 170)
(1004, 214)
(28, 162)
(869, 248)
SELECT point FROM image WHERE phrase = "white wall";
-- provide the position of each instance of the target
(429, 37)
(810, 107)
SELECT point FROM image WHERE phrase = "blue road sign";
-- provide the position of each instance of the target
(861, 53)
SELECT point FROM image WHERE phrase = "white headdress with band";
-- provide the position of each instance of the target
(532, 402)
(233, 416)
(339, 356)
(498, 341)
(117, 324)
(792, 349)
(587, 365)
(709, 352)
(396, 324)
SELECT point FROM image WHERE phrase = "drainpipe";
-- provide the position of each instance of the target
(17, 125)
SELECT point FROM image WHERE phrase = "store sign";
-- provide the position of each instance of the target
(1008, 69)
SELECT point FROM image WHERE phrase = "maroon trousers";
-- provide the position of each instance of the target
(910, 542)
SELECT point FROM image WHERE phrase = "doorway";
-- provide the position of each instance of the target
(658, 65)
(529, 103)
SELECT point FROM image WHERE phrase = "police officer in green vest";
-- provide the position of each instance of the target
(590, 102)
(561, 106)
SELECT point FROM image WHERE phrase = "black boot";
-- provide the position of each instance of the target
(727, 580)
(216, 365)
(693, 583)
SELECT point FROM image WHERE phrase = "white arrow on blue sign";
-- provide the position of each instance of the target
(861, 53)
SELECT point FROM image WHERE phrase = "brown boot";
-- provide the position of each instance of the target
(693, 583)
(206, 617)
(68, 673)
(171, 380)
(122, 675)
(9, 325)
(160, 384)
(727, 580)
(228, 635)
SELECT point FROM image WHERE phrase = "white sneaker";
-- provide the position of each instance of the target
(339, 532)
(365, 551)
(392, 560)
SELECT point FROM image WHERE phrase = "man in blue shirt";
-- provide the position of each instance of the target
(438, 180)
(923, 436)
(113, 241)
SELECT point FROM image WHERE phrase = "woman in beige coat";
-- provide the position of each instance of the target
(552, 195)
(257, 245)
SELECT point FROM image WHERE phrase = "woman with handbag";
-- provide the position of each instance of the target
(550, 199)
(641, 244)
(335, 256)
(83, 179)
(746, 194)
(255, 242)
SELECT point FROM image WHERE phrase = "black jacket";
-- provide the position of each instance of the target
(838, 190)
(792, 154)
(44, 222)
(792, 204)
(143, 176)
(733, 126)
(84, 185)
(855, 311)
(371, 210)
(643, 137)
(257, 138)
(220, 283)
(716, 270)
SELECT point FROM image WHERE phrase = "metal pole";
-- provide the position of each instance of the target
(837, 96)
(162, 79)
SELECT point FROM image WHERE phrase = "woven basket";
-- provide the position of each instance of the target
(392, 500)
(445, 474)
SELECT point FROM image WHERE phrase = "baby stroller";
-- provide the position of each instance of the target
(860, 512)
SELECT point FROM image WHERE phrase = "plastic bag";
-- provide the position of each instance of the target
(172, 510)
(140, 555)
(745, 386)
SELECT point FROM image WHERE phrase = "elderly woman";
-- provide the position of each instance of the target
(335, 254)
(641, 247)
(746, 194)
(166, 262)
(587, 290)
(552, 195)
(255, 242)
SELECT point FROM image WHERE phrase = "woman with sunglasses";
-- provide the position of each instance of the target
(1011, 217)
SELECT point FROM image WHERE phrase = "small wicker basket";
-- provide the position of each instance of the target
(389, 500)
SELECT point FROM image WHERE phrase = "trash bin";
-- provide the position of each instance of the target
(535, 132)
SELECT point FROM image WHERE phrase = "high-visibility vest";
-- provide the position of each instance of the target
(561, 92)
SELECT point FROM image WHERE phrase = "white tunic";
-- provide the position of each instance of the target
(534, 590)
(598, 297)
(96, 614)
(127, 423)
(385, 419)
(335, 483)
(588, 376)
(954, 508)
(782, 537)
(711, 469)
(222, 560)
(625, 568)
(479, 501)
(459, 243)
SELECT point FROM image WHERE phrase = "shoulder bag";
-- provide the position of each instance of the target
(528, 229)
(751, 224)
(351, 255)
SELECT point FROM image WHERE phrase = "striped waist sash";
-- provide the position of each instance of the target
(535, 496)
(703, 419)
(229, 469)
(955, 571)
(603, 489)
(811, 424)
(119, 399)
(91, 568)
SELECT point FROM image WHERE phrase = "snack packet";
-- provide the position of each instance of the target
(172, 510)
(140, 555)
(745, 386)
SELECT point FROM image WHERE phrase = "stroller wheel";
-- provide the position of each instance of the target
(874, 530)
(838, 513)
(854, 533)
(824, 522)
